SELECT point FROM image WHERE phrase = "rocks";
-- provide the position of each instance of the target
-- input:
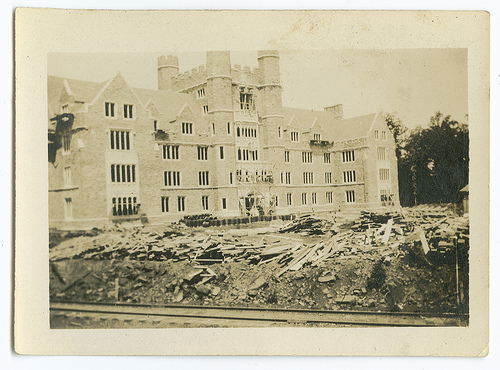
(258, 283)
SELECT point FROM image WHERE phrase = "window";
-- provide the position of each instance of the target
(109, 109)
(170, 151)
(384, 174)
(381, 154)
(276, 203)
(65, 108)
(204, 202)
(314, 198)
(221, 152)
(349, 176)
(224, 203)
(181, 204)
(123, 206)
(230, 178)
(155, 125)
(328, 177)
(317, 137)
(164, 204)
(213, 128)
(349, 196)
(238, 131)
(202, 153)
(203, 178)
(200, 93)
(304, 198)
(172, 178)
(67, 177)
(294, 136)
(376, 134)
(229, 128)
(122, 173)
(287, 156)
(246, 98)
(205, 109)
(279, 132)
(187, 128)
(307, 157)
(348, 156)
(308, 177)
(286, 177)
(289, 199)
(128, 111)
(120, 140)
(384, 135)
(329, 197)
(66, 149)
(68, 208)
(327, 158)
(384, 195)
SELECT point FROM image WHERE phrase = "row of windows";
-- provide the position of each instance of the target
(181, 203)
(383, 135)
(123, 206)
(381, 154)
(384, 174)
(202, 153)
(247, 155)
(122, 173)
(187, 128)
(349, 176)
(120, 140)
(128, 110)
(246, 131)
(308, 177)
(304, 197)
(170, 151)
(307, 157)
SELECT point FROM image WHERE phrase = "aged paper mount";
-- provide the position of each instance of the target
(43, 31)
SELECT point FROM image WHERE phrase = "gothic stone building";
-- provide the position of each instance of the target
(212, 140)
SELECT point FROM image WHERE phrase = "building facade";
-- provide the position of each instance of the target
(214, 140)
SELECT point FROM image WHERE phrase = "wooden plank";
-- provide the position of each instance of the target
(387, 231)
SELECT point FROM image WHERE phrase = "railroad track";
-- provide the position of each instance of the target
(124, 315)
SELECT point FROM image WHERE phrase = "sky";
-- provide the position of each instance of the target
(414, 83)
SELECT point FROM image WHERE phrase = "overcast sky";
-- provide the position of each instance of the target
(415, 83)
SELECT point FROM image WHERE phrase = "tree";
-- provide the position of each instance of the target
(435, 160)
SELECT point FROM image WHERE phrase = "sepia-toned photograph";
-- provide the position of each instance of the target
(298, 189)
(258, 188)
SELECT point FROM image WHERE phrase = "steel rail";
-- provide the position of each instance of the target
(368, 318)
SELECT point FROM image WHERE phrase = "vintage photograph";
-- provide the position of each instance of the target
(258, 188)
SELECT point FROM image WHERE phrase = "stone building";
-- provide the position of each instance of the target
(216, 140)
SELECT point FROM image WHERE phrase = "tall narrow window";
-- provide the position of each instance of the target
(155, 125)
(381, 154)
(203, 179)
(230, 178)
(128, 111)
(329, 197)
(205, 109)
(109, 109)
(317, 137)
(279, 132)
(221, 152)
(224, 203)
(348, 156)
(181, 204)
(289, 199)
(171, 152)
(294, 136)
(67, 177)
(328, 177)
(204, 202)
(172, 178)
(287, 156)
(304, 198)
(68, 207)
(384, 174)
(349, 176)
(327, 158)
(164, 204)
(66, 144)
(384, 135)
(376, 134)
(314, 198)
(229, 128)
(202, 153)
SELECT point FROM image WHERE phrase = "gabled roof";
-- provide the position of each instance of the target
(337, 130)
(168, 103)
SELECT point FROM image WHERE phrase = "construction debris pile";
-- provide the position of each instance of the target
(381, 260)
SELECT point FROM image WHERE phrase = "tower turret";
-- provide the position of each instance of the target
(168, 66)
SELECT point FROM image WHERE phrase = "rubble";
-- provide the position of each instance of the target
(396, 260)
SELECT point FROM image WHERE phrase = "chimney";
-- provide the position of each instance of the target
(167, 68)
(337, 110)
